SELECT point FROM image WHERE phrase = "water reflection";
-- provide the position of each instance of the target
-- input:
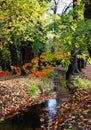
(31, 120)
(51, 105)
(25, 121)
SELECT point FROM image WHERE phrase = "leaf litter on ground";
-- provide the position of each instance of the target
(74, 114)
(14, 94)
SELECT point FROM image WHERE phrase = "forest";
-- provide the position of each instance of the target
(42, 50)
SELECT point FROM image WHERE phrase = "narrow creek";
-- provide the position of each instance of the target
(38, 115)
(32, 119)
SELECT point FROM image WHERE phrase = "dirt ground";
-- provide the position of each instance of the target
(86, 73)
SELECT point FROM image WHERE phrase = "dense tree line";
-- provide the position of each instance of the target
(24, 32)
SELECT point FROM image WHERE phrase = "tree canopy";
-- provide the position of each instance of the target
(27, 22)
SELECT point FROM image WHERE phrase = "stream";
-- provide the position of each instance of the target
(32, 119)
(38, 115)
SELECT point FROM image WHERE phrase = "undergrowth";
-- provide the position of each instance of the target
(80, 83)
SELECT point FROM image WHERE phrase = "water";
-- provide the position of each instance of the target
(32, 119)
(24, 121)
(37, 115)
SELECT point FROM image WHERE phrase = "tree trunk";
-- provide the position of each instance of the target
(13, 54)
(87, 14)
(2, 65)
(73, 67)
(81, 64)
(89, 51)
(26, 53)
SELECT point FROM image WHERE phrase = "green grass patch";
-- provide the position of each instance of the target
(80, 83)
(37, 85)
(33, 90)
(89, 61)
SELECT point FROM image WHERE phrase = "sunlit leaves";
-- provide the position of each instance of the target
(41, 66)
(26, 67)
(70, 31)
(16, 69)
(17, 16)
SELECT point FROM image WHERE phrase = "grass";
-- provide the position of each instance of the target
(89, 61)
(33, 90)
(80, 83)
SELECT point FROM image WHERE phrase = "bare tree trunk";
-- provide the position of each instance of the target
(87, 14)
(13, 54)
(89, 50)
(26, 53)
(73, 67)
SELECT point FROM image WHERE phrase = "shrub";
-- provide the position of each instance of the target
(51, 74)
(80, 83)
(33, 90)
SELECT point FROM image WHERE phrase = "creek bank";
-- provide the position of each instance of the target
(14, 96)
(69, 115)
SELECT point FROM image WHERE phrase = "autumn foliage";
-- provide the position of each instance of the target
(4, 73)
(39, 66)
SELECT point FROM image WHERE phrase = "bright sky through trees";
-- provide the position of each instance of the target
(62, 5)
